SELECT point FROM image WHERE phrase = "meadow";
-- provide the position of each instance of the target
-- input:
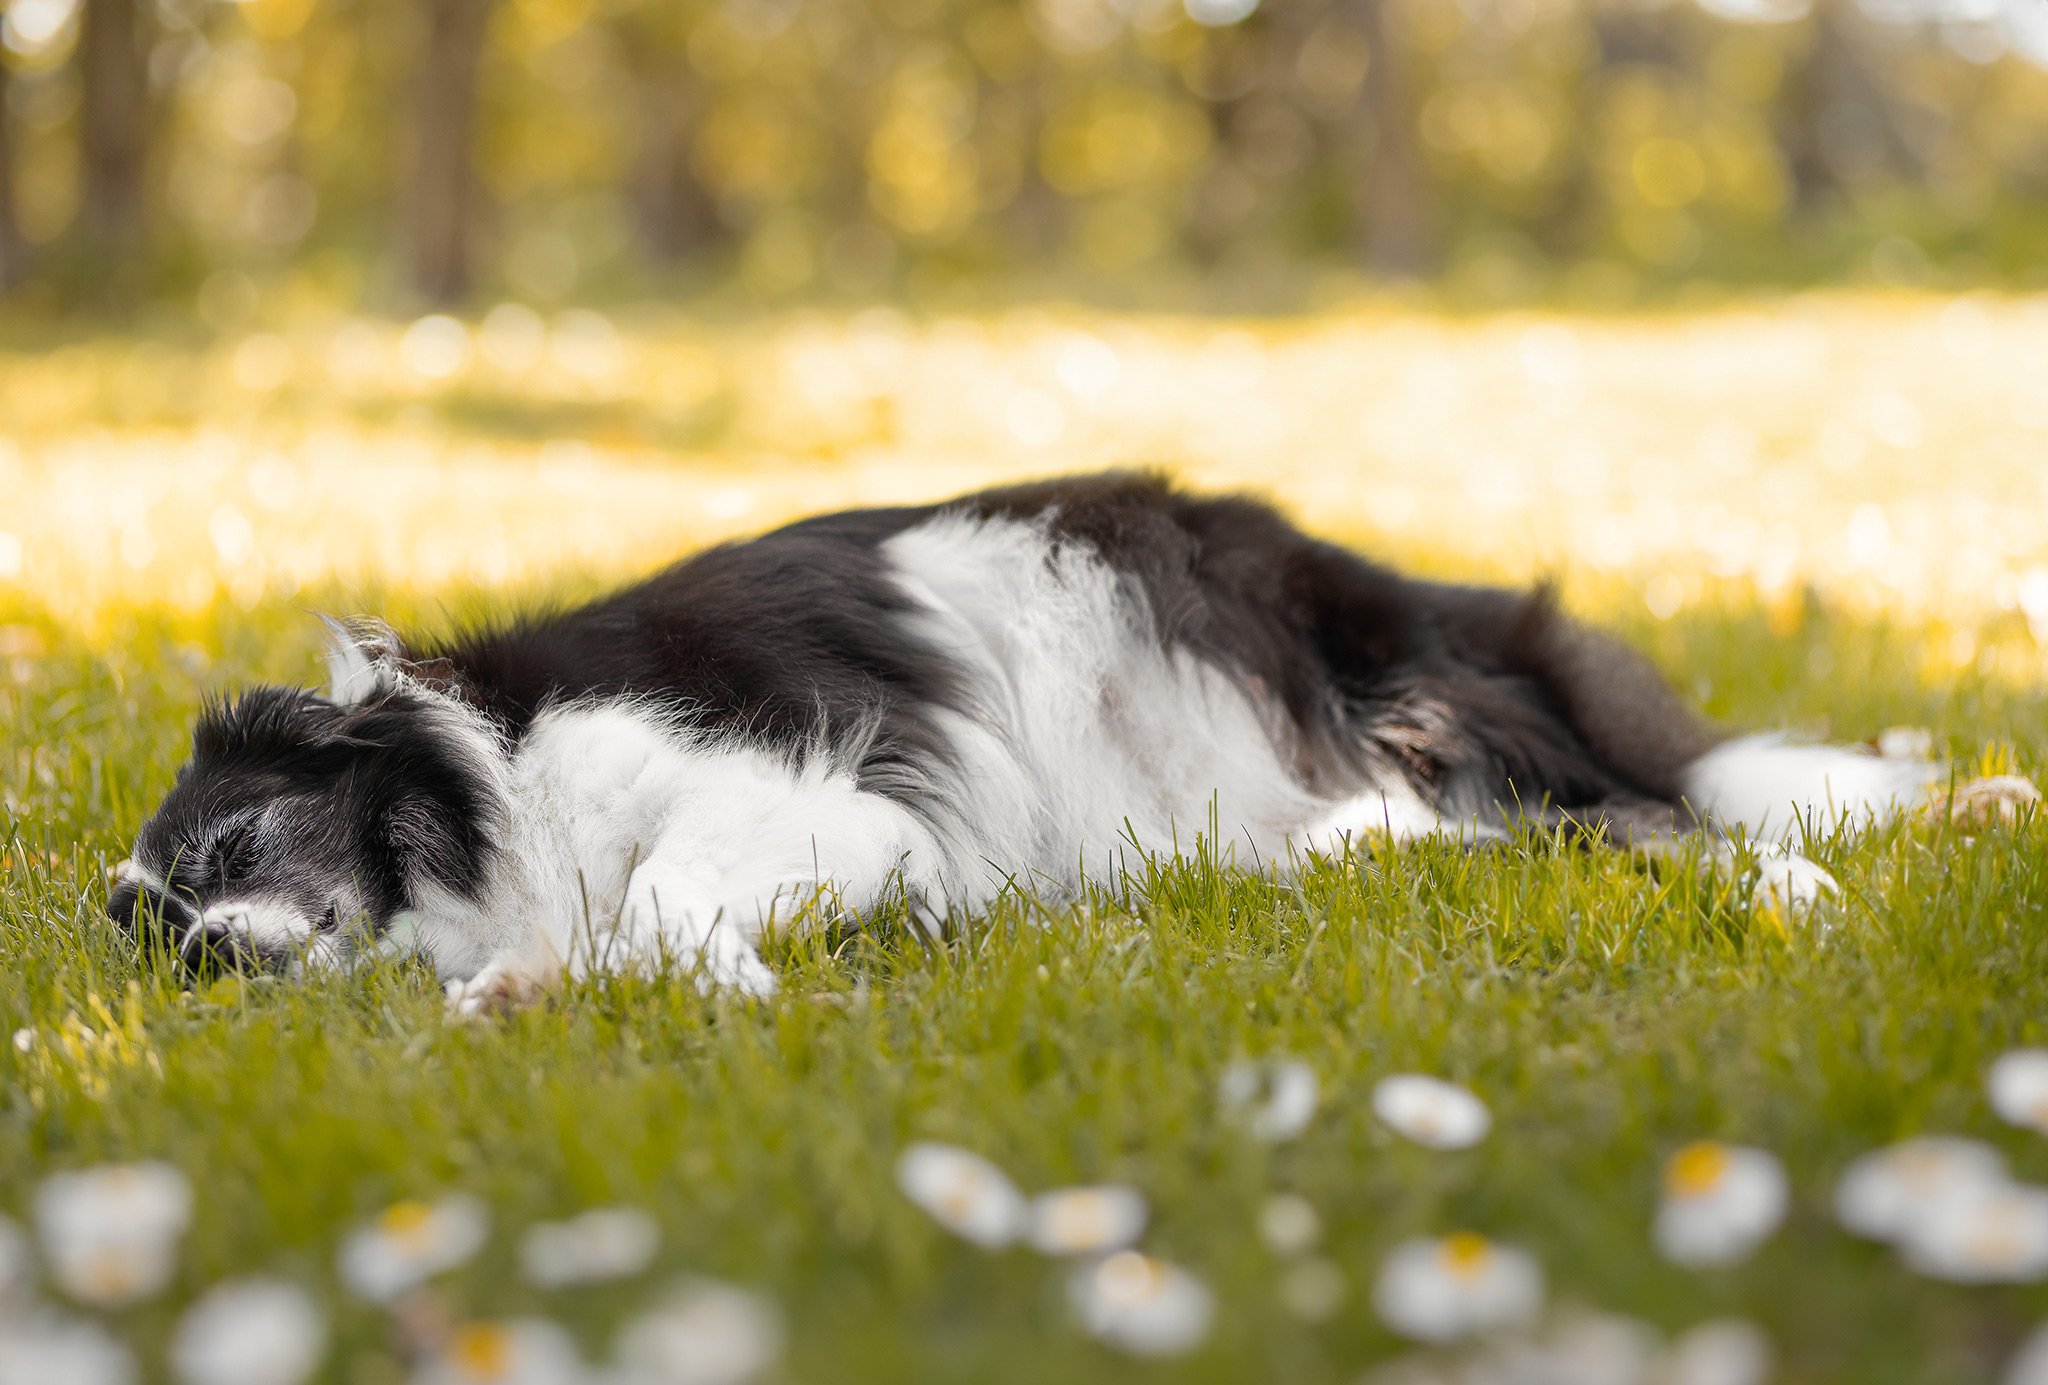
(1827, 514)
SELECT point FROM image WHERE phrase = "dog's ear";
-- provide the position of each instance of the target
(364, 658)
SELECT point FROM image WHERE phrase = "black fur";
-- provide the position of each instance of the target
(800, 636)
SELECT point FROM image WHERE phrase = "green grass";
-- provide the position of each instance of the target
(1606, 1011)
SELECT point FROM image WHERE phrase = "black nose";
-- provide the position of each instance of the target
(151, 915)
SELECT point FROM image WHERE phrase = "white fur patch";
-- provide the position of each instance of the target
(1768, 786)
(1085, 736)
(263, 924)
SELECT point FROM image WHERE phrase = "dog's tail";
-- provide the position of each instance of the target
(1767, 785)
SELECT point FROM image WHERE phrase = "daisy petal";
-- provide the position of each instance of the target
(1881, 1193)
(1720, 1203)
(1981, 1234)
(1461, 1285)
(1087, 1221)
(2018, 1085)
(1142, 1306)
(111, 1234)
(1726, 1351)
(1433, 1113)
(44, 1351)
(516, 1351)
(410, 1242)
(964, 1192)
(609, 1243)
(250, 1332)
(707, 1333)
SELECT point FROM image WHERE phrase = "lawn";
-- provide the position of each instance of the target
(1827, 515)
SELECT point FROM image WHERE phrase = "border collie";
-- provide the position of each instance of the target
(931, 703)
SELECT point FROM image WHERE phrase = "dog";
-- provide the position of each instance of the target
(1023, 686)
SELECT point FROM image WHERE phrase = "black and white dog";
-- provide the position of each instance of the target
(1018, 686)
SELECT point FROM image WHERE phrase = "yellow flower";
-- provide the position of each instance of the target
(964, 1192)
(1140, 1305)
(410, 1242)
(1463, 1284)
(516, 1351)
(1433, 1113)
(250, 1332)
(1720, 1203)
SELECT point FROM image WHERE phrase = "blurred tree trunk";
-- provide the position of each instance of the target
(1841, 128)
(674, 213)
(1397, 220)
(113, 126)
(444, 172)
(13, 251)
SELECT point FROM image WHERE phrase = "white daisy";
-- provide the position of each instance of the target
(964, 1192)
(1442, 1290)
(1140, 1305)
(110, 1235)
(1273, 1100)
(1881, 1193)
(250, 1332)
(1720, 1203)
(1289, 1226)
(45, 1351)
(1986, 1233)
(1433, 1113)
(1583, 1349)
(707, 1333)
(516, 1351)
(2018, 1083)
(410, 1242)
(1087, 1221)
(2029, 1365)
(1726, 1351)
(609, 1243)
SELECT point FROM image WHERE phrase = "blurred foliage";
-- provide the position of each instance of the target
(858, 147)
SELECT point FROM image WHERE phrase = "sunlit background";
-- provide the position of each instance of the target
(255, 159)
(1665, 300)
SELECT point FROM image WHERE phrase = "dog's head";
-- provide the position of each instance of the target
(305, 822)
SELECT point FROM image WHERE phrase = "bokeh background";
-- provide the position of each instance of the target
(230, 158)
(398, 304)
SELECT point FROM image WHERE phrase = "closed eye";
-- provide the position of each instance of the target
(233, 857)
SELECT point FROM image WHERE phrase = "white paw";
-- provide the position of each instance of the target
(726, 959)
(501, 988)
(699, 936)
(1790, 882)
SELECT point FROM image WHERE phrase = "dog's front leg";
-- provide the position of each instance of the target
(715, 882)
(670, 917)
